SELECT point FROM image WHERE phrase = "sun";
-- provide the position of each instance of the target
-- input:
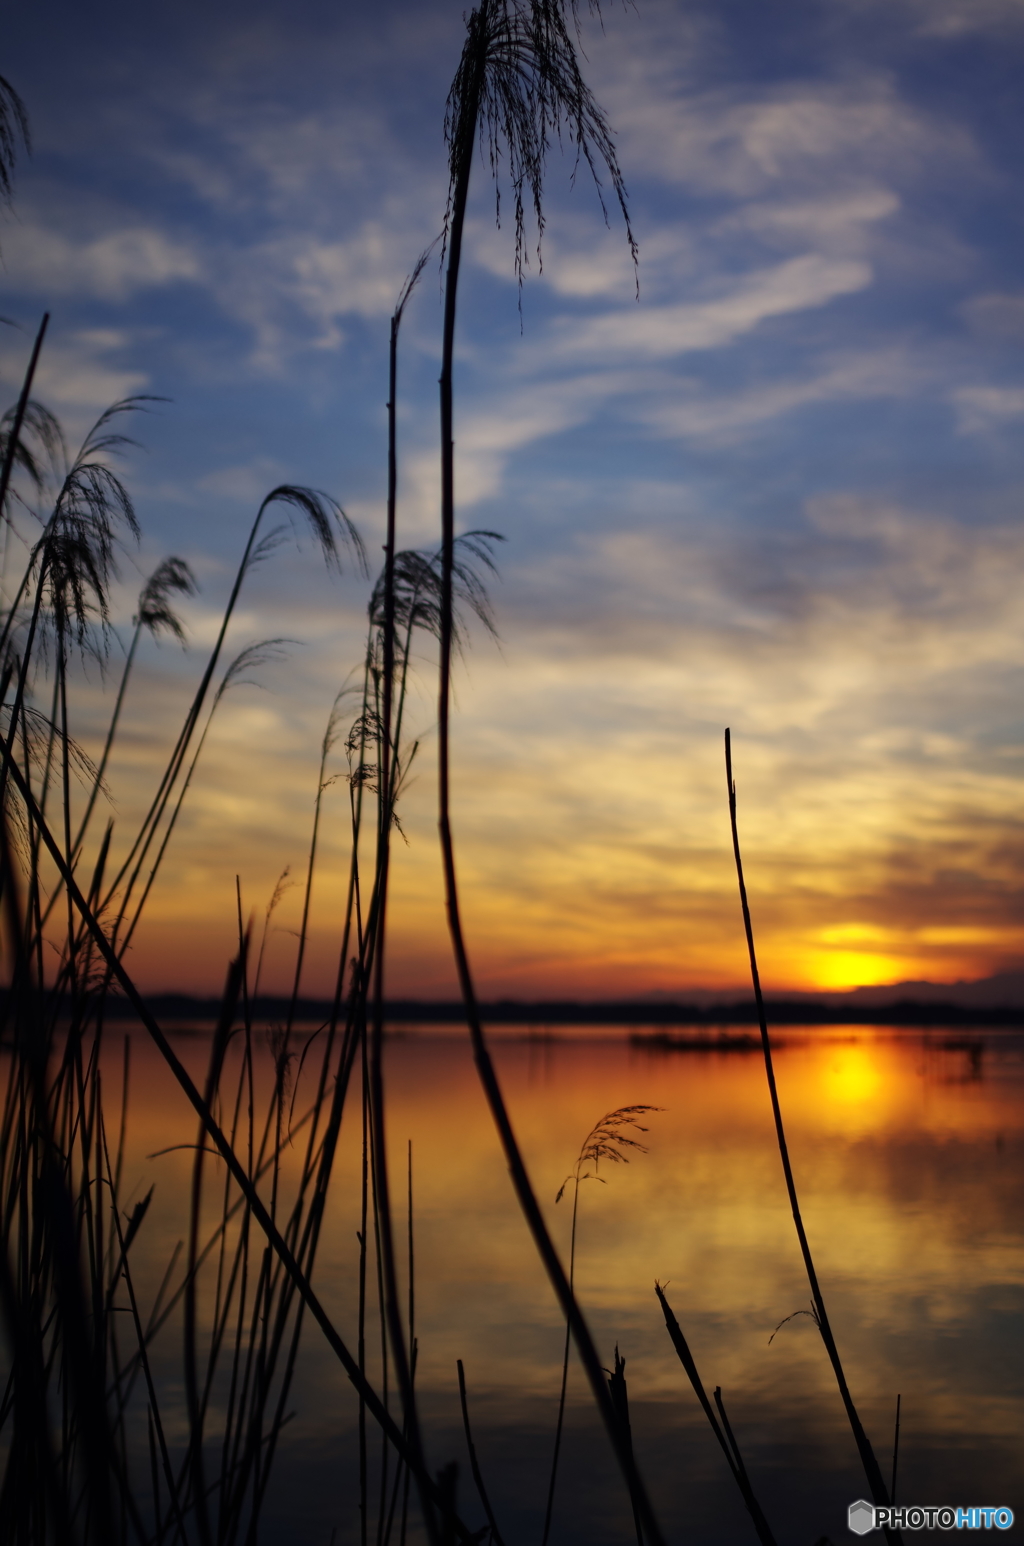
(840, 969)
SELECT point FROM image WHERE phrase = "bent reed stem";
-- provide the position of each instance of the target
(872, 1470)
(463, 158)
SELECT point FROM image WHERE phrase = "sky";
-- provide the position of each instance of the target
(777, 487)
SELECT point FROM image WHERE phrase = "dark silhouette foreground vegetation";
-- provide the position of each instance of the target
(90, 1453)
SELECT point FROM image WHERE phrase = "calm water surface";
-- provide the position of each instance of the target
(908, 1151)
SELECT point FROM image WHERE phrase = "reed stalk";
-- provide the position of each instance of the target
(474, 1463)
(381, 1191)
(607, 1140)
(518, 79)
(721, 1429)
(872, 1470)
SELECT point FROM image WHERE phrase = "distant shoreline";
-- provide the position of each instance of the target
(182, 1007)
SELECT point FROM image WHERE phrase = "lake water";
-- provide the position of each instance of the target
(907, 1148)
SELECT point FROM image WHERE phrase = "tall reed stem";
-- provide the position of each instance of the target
(589, 1357)
(393, 1309)
(872, 1470)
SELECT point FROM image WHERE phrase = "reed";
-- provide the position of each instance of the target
(474, 1463)
(872, 1470)
(83, 1368)
(607, 1140)
(14, 135)
(517, 85)
(720, 1425)
(71, 1279)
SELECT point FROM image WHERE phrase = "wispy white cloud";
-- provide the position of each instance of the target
(955, 18)
(720, 418)
(797, 134)
(248, 483)
(996, 315)
(664, 332)
(80, 372)
(986, 408)
(830, 221)
(41, 260)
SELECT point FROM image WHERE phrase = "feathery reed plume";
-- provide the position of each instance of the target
(251, 658)
(77, 552)
(329, 524)
(872, 1470)
(722, 1431)
(14, 132)
(517, 84)
(71, 564)
(154, 616)
(12, 446)
(607, 1140)
(74, 560)
(517, 88)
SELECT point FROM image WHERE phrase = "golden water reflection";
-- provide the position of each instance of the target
(907, 1149)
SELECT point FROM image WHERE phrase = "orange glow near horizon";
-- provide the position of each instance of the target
(575, 880)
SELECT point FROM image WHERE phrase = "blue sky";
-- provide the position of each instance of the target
(781, 490)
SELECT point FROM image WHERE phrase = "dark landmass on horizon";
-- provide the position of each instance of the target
(997, 1000)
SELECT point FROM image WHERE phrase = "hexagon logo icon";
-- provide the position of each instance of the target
(860, 1517)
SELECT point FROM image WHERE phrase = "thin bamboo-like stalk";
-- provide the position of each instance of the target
(872, 1470)
(381, 1188)
(472, 82)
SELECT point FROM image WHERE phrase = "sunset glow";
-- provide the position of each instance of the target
(780, 492)
(511, 768)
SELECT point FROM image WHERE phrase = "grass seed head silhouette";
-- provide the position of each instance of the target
(263, 653)
(518, 89)
(155, 613)
(418, 580)
(39, 450)
(608, 1141)
(326, 519)
(76, 554)
(14, 135)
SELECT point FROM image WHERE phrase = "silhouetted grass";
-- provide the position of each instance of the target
(872, 1470)
(518, 83)
(82, 1366)
(721, 1429)
(607, 1140)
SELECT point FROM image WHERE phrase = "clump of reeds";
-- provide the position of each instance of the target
(81, 1386)
(66, 1265)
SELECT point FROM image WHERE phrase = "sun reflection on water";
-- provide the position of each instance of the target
(907, 1159)
(851, 1075)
